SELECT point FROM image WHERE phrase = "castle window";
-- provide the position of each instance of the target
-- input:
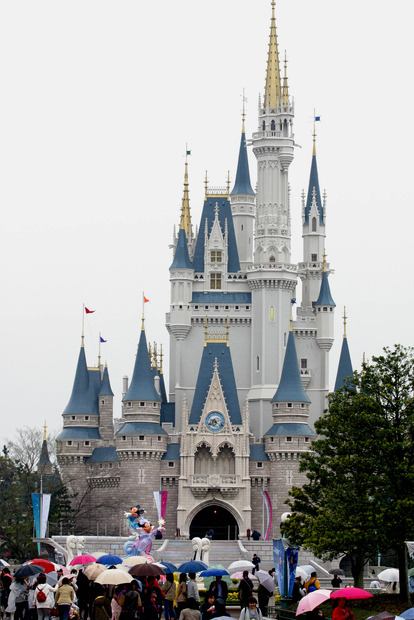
(314, 224)
(102, 402)
(141, 437)
(68, 443)
(273, 126)
(215, 281)
(195, 307)
(86, 418)
(154, 404)
(129, 404)
(159, 438)
(242, 226)
(306, 439)
(289, 439)
(205, 307)
(257, 363)
(123, 437)
(216, 307)
(272, 259)
(302, 405)
(73, 417)
(271, 439)
(314, 258)
(110, 465)
(259, 464)
(215, 256)
(247, 307)
(325, 309)
(289, 477)
(87, 443)
(170, 463)
(100, 466)
(226, 307)
(304, 363)
(263, 126)
(236, 307)
(289, 404)
(142, 404)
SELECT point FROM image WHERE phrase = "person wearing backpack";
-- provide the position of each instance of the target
(44, 599)
(312, 584)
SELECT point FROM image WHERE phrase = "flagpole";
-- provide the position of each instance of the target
(143, 306)
(83, 322)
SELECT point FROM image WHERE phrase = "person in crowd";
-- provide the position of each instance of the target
(191, 612)
(152, 600)
(245, 589)
(192, 588)
(169, 589)
(207, 608)
(17, 601)
(115, 606)
(298, 591)
(63, 598)
(44, 597)
(181, 593)
(341, 611)
(312, 584)
(220, 608)
(219, 589)
(101, 608)
(82, 583)
(336, 581)
(263, 595)
(130, 601)
(256, 561)
(315, 614)
(5, 581)
(252, 611)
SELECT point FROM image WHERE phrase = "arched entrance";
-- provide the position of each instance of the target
(215, 518)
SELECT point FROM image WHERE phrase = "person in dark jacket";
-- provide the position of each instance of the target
(245, 589)
(218, 588)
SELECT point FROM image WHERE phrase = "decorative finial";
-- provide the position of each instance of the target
(155, 355)
(273, 90)
(314, 135)
(228, 182)
(185, 221)
(285, 94)
(345, 318)
(244, 112)
(161, 357)
(324, 261)
(150, 353)
(215, 364)
(205, 331)
(205, 184)
(44, 431)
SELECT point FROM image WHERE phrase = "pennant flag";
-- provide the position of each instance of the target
(89, 311)
(293, 301)
(317, 118)
(101, 339)
(145, 300)
(188, 152)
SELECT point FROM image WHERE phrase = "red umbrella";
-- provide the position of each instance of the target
(350, 593)
(47, 566)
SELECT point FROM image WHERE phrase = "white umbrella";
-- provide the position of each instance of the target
(305, 571)
(134, 560)
(92, 571)
(240, 565)
(389, 574)
(265, 580)
(114, 577)
(301, 573)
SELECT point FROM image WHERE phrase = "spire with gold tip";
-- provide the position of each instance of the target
(185, 221)
(345, 370)
(273, 89)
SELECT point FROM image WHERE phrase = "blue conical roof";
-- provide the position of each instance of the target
(81, 400)
(290, 386)
(242, 184)
(314, 184)
(211, 352)
(208, 214)
(344, 367)
(106, 389)
(325, 297)
(142, 383)
(181, 257)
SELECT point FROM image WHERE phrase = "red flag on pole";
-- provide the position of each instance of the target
(89, 311)
(145, 300)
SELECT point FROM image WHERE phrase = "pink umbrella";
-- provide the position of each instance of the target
(239, 575)
(350, 593)
(312, 600)
(82, 559)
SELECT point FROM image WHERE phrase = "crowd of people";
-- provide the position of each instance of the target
(76, 597)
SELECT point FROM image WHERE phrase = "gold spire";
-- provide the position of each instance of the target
(44, 431)
(345, 318)
(150, 353)
(155, 363)
(161, 356)
(228, 182)
(324, 261)
(206, 184)
(272, 95)
(185, 222)
(285, 93)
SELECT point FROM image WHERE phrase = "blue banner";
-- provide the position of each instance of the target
(36, 512)
(279, 560)
(292, 562)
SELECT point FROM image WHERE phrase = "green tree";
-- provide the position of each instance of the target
(359, 495)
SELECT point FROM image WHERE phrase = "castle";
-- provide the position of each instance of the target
(246, 380)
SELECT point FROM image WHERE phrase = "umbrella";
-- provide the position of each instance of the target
(239, 575)
(167, 566)
(28, 570)
(337, 571)
(265, 580)
(4, 563)
(134, 559)
(109, 559)
(312, 600)
(302, 573)
(240, 565)
(193, 566)
(64, 569)
(350, 593)
(93, 570)
(214, 572)
(408, 614)
(389, 574)
(384, 615)
(82, 559)
(46, 566)
(146, 570)
(114, 577)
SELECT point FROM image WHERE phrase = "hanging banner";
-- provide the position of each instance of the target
(44, 513)
(268, 506)
(36, 513)
(164, 496)
(292, 562)
(157, 499)
(279, 561)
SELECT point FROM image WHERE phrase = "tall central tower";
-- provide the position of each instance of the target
(272, 278)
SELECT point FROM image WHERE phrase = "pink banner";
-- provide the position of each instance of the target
(164, 495)
(269, 514)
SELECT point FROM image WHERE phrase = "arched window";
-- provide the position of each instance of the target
(273, 125)
(314, 224)
(264, 126)
(272, 259)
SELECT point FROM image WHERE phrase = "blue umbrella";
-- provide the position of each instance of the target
(27, 570)
(214, 572)
(109, 559)
(408, 614)
(168, 567)
(193, 566)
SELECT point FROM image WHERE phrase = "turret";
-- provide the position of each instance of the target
(324, 309)
(106, 407)
(345, 370)
(242, 200)
(44, 466)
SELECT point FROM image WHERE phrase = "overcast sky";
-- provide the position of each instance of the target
(98, 101)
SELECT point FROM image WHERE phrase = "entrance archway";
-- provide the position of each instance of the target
(215, 518)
